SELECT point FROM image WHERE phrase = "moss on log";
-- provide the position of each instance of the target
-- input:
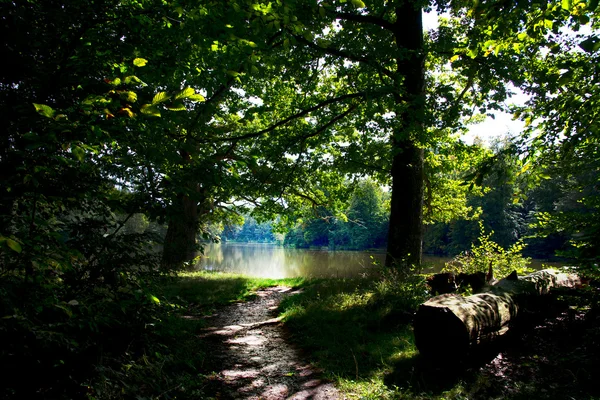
(450, 324)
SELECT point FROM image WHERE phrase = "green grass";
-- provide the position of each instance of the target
(358, 331)
(210, 289)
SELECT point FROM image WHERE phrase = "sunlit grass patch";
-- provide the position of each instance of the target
(204, 288)
(357, 330)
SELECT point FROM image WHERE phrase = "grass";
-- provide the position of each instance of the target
(356, 330)
(209, 289)
(359, 332)
(170, 361)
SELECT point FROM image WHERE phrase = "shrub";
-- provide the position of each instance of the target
(485, 253)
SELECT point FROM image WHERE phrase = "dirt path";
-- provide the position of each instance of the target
(251, 358)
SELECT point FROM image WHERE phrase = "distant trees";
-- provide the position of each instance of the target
(363, 225)
(513, 202)
(250, 231)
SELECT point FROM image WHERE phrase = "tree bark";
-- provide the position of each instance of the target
(406, 211)
(449, 325)
(180, 243)
(405, 235)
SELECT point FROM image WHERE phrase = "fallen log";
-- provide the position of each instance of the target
(450, 324)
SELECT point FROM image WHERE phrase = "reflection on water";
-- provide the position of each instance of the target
(272, 261)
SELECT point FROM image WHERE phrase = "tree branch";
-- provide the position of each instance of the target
(343, 54)
(290, 118)
(331, 122)
(365, 19)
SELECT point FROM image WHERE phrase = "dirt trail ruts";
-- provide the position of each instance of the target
(251, 358)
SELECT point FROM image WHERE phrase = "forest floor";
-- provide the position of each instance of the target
(250, 353)
(252, 358)
(556, 357)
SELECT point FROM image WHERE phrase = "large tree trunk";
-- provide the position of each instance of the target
(406, 211)
(449, 325)
(405, 234)
(180, 242)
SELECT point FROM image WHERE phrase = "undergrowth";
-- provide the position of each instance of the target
(358, 331)
(169, 362)
(486, 253)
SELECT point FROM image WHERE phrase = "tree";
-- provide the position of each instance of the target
(367, 227)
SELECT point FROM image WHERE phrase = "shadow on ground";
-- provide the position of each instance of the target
(552, 354)
(249, 357)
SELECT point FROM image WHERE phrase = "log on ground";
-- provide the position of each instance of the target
(450, 324)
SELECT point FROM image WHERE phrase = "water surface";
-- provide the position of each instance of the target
(273, 261)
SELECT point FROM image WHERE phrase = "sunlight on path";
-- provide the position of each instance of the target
(252, 359)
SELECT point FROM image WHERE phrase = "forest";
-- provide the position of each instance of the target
(136, 130)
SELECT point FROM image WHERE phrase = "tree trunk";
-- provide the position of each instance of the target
(406, 212)
(180, 242)
(405, 235)
(449, 325)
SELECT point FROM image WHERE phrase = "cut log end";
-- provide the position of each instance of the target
(434, 342)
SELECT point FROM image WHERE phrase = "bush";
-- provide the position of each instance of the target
(486, 253)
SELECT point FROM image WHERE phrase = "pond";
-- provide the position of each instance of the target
(273, 261)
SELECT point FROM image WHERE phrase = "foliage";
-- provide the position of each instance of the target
(505, 202)
(120, 117)
(573, 212)
(487, 254)
(363, 225)
(250, 231)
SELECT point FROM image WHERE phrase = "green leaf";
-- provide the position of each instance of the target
(565, 78)
(44, 110)
(322, 11)
(185, 93)
(132, 78)
(131, 97)
(590, 45)
(154, 299)
(592, 5)
(566, 4)
(358, 4)
(78, 152)
(160, 97)
(14, 245)
(65, 309)
(473, 52)
(150, 109)
(308, 36)
(176, 106)
(196, 97)
(233, 73)
(584, 19)
(140, 62)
